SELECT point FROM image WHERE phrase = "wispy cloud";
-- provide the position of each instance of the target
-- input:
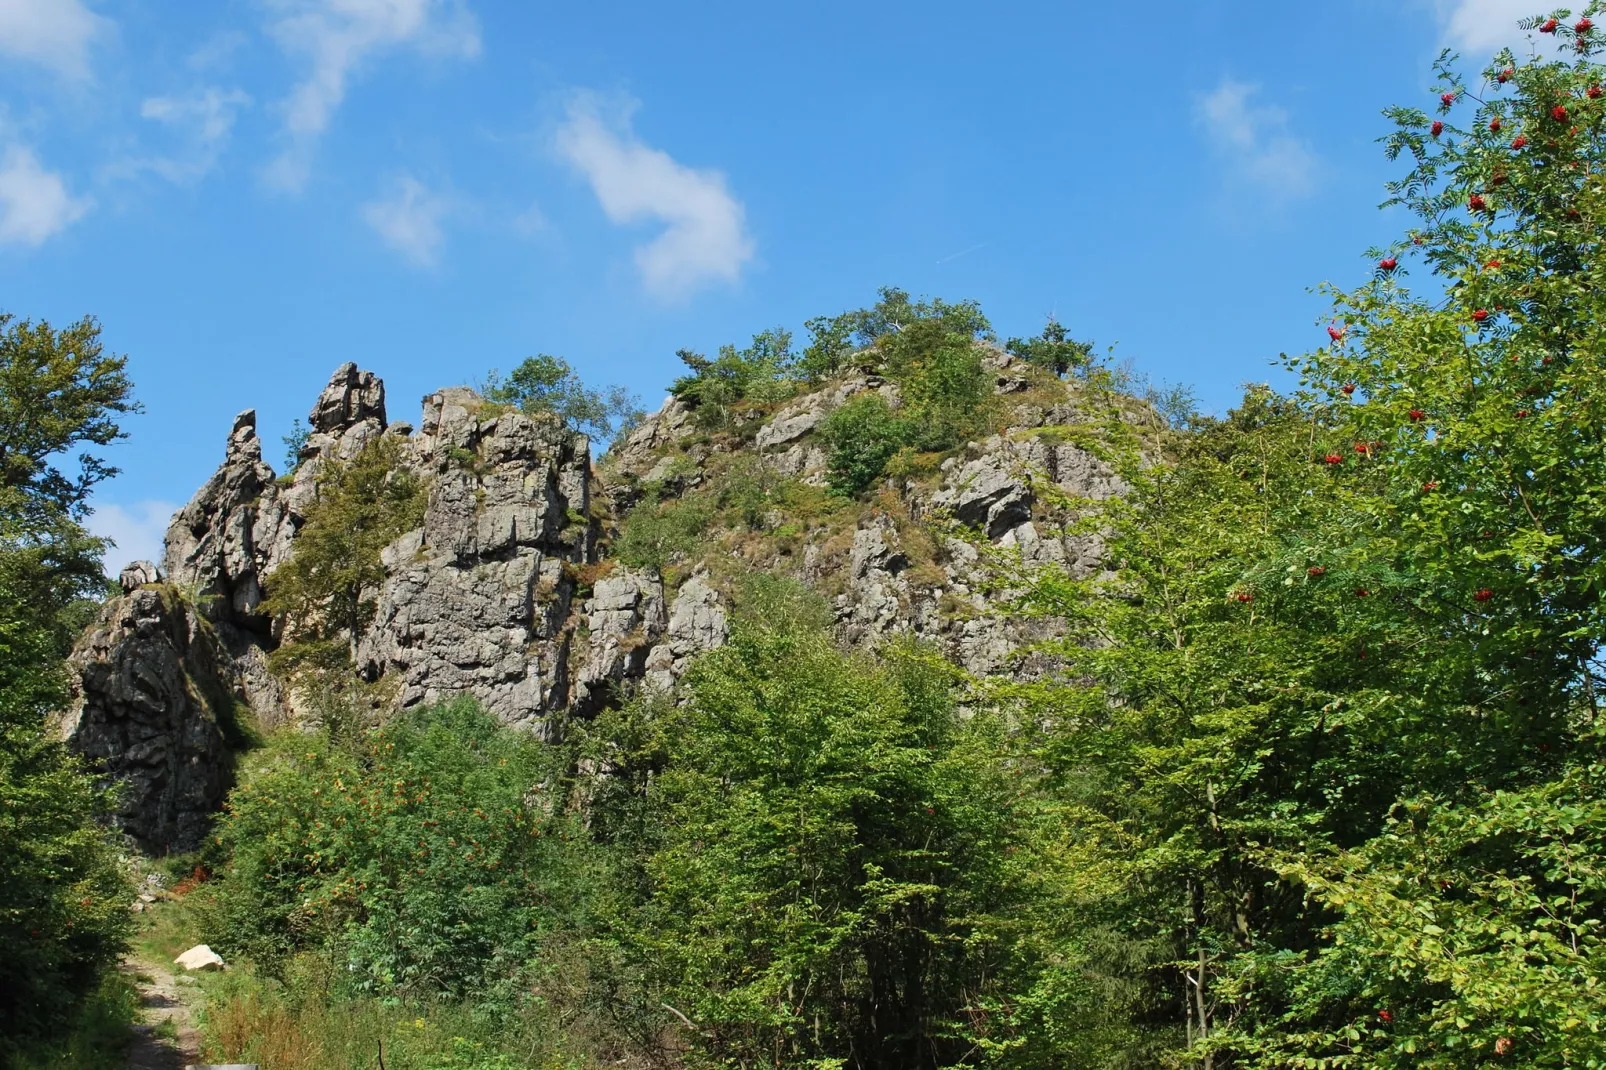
(1256, 141)
(53, 33)
(202, 121)
(1487, 25)
(334, 38)
(34, 202)
(705, 238)
(408, 220)
(137, 528)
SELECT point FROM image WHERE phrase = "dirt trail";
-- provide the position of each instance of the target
(166, 1037)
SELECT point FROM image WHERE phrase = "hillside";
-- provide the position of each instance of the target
(549, 586)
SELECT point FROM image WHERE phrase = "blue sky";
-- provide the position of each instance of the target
(249, 192)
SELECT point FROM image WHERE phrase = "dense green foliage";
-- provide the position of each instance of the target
(547, 384)
(62, 893)
(927, 347)
(1332, 731)
(863, 434)
(419, 856)
(766, 371)
(826, 861)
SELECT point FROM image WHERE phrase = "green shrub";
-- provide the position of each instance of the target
(92, 1035)
(327, 592)
(835, 339)
(657, 532)
(1053, 350)
(428, 860)
(548, 384)
(825, 869)
(947, 392)
(764, 372)
(861, 435)
(63, 896)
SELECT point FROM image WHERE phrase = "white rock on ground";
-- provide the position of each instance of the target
(200, 957)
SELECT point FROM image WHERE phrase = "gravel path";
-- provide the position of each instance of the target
(165, 1038)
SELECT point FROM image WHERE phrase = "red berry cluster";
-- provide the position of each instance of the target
(1549, 26)
(1388, 263)
(1520, 141)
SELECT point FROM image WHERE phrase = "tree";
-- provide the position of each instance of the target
(58, 390)
(1054, 350)
(1331, 722)
(547, 384)
(862, 434)
(827, 877)
(62, 894)
(834, 339)
(766, 371)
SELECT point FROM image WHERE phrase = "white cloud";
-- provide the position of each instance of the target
(1487, 25)
(409, 221)
(34, 203)
(137, 528)
(1257, 141)
(203, 119)
(335, 37)
(706, 236)
(52, 33)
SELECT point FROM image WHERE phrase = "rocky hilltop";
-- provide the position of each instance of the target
(524, 585)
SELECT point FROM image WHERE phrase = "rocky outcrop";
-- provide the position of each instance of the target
(697, 623)
(153, 695)
(624, 620)
(505, 591)
(476, 601)
(232, 533)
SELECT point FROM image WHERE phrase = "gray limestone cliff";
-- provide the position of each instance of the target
(512, 591)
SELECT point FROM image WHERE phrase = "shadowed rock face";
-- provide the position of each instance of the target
(151, 685)
(505, 592)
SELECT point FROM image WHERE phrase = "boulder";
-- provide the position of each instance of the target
(200, 957)
(137, 574)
